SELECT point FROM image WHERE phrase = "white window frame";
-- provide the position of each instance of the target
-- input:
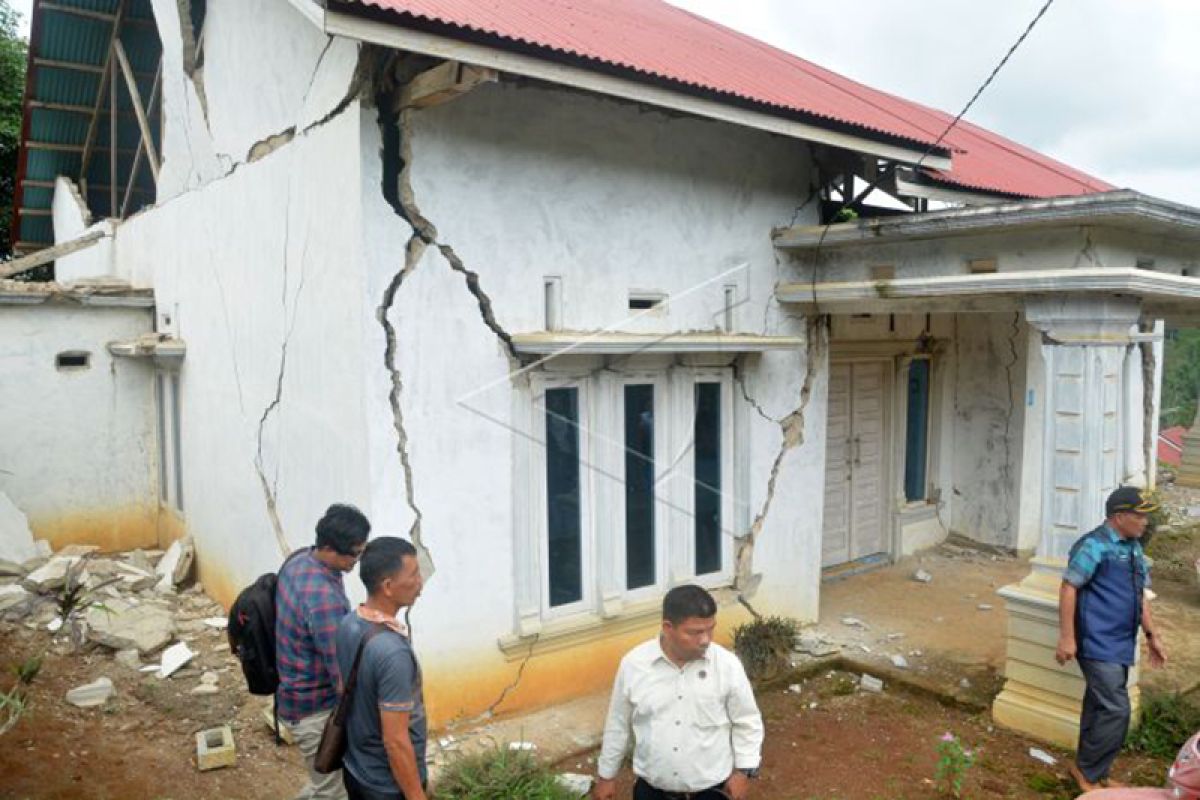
(601, 394)
(540, 384)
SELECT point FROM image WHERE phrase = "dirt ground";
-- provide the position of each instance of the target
(141, 744)
(855, 745)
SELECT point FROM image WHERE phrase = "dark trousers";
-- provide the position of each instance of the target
(1105, 719)
(356, 791)
(644, 791)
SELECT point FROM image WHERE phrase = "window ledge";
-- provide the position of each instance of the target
(579, 630)
(918, 511)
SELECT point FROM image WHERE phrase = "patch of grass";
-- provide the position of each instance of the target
(1052, 786)
(513, 775)
(1168, 720)
(765, 646)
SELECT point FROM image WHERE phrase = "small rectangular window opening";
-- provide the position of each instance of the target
(563, 520)
(73, 359)
(552, 302)
(643, 301)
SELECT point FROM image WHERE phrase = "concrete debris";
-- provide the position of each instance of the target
(285, 733)
(12, 569)
(91, 694)
(51, 575)
(1193, 512)
(16, 540)
(219, 623)
(124, 626)
(175, 565)
(575, 783)
(173, 658)
(965, 683)
(864, 648)
(984, 606)
(891, 637)
(12, 596)
(814, 644)
(899, 661)
(869, 683)
(54, 625)
(129, 658)
(139, 560)
(215, 748)
(526, 747)
(206, 688)
(1042, 756)
(921, 576)
(855, 622)
(209, 678)
(795, 688)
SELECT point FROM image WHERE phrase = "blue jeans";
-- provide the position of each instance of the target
(1105, 718)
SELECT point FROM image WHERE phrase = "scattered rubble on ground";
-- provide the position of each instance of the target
(575, 783)
(91, 694)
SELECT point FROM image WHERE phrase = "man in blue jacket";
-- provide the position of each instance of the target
(1102, 602)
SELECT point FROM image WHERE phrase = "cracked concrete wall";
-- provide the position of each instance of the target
(77, 445)
(990, 352)
(72, 220)
(523, 182)
(266, 70)
(260, 273)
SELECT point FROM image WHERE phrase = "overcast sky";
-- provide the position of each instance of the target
(1109, 86)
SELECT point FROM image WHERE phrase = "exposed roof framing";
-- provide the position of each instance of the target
(86, 114)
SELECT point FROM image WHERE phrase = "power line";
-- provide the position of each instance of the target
(848, 202)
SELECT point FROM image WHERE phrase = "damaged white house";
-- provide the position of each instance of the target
(549, 288)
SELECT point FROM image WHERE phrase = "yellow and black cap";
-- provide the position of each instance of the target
(1129, 498)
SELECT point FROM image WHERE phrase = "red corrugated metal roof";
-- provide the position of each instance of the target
(656, 39)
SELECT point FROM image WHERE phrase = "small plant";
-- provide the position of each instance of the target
(954, 761)
(511, 774)
(764, 645)
(74, 598)
(1168, 719)
(15, 702)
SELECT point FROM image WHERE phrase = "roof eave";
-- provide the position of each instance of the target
(1123, 208)
(366, 27)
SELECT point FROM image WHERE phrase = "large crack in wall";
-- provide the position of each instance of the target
(745, 582)
(1006, 469)
(397, 188)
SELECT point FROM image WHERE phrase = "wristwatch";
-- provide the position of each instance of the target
(749, 772)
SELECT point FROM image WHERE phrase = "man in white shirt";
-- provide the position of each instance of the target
(688, 707)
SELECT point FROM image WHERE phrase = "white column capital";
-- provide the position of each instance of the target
(1084, 320)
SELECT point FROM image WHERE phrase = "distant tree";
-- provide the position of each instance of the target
(1181, 377)
(12, 89)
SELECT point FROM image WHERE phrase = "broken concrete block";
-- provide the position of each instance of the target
(175, 565)
(91, 694)
(921, 576)
(575, 783)
(16, 540)
(13, 595)
(285, 733)
(129, 658)
(123, 626)
(215, 749)
(899, 662)
(869, 683)
(173, 658)
(51, 575)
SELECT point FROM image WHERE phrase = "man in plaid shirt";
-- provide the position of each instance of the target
(310, 601)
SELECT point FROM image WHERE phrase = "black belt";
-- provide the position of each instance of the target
(667, 794)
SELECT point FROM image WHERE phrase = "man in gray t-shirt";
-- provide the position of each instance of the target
(385, 729)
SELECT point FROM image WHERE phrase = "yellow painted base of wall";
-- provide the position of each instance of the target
(111, 529)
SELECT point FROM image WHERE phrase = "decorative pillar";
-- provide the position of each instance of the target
(1084, 412)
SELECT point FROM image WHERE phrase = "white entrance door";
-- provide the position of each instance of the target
(854, 459)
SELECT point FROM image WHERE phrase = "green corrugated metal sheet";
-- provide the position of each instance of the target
(62, 36)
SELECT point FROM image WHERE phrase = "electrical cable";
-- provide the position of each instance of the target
(847, 203)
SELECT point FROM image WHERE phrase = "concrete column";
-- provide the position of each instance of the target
(1084, 411)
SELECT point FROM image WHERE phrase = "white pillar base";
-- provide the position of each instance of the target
(1040, 698)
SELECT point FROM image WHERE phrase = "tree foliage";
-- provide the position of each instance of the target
(1181, 377)
(12, 89)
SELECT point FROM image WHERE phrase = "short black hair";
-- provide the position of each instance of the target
(342, 529)
(685, 602)
(382, 558)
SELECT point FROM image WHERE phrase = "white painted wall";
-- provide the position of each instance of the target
(263, 262)
(78, 443)
(990, 354)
